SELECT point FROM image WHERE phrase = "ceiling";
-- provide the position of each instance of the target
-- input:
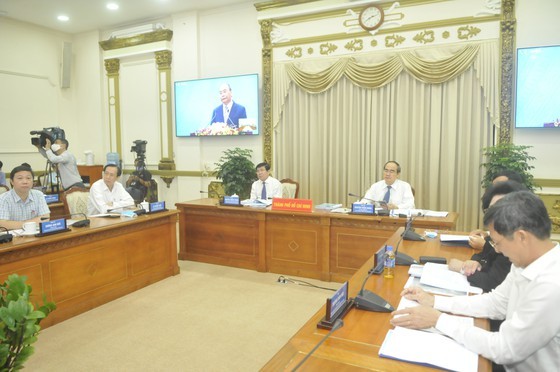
(89, 15)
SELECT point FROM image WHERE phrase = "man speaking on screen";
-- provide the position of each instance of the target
(229, 112)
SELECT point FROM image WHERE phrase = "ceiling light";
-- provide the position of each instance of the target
(63, 18)
(112, 6)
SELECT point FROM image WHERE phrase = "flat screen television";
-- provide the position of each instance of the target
(221, 106)
(537, 98)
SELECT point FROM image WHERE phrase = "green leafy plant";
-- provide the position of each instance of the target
(508, 156)
(19, 322)
(237, 172)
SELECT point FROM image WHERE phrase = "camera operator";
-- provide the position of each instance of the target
(139, 182)
(66, 162)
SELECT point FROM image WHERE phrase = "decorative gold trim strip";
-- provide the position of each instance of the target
(411, 27)
(146, 38)
(507, 42)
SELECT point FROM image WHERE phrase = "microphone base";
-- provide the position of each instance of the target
(411, 235)
(81, 223)
(402, 259)
(369, 301)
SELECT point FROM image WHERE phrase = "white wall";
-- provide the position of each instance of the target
(537, 24)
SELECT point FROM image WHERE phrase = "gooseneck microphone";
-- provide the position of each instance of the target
(7, 237)
(401, 258)
(80, 223)
(337, 324)
(367, 300)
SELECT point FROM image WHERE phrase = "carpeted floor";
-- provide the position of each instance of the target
(208, 318)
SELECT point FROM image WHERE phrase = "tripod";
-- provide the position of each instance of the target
(48, 180)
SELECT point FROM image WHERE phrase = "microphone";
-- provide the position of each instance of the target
(409, 233)
(360, 197)
(382, 212)
(7, 237)
(337, 324)
(123, 207)
(81, 223)
(367, 300)
(213, 117)
(401, 258)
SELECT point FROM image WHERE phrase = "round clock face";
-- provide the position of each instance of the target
(371, 17)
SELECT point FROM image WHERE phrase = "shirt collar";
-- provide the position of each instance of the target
(540, 264)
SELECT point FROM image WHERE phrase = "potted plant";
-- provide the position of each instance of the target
(237, 172)
(508, 156)
(19, 322)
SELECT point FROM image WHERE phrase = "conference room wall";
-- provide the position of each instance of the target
(30, 94)
(221, 42)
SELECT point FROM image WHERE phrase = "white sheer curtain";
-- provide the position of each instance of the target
(337, 141)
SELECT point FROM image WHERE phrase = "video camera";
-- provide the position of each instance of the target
(139, 148)
(52, 133)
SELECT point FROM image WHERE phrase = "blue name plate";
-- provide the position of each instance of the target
(338, 300)
(231, 200)
(157, 206)
(51, 198)
(361, 208)
(53, 226)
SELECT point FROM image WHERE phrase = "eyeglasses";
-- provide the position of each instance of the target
(389, 171)
(494, 244)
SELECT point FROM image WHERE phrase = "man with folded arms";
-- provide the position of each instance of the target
(528, 299)
(107, 193)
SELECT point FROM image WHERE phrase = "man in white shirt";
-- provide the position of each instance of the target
(528, 299)
(396, 193)
(107, 193)
(272, 187)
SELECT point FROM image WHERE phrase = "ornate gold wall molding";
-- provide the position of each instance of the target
(163, 61)
(145, 38)
(112, 66)
(507, 42)
(266, 29)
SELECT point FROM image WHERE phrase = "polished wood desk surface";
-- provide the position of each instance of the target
(421, 221)
(86, 267)
(356, 345)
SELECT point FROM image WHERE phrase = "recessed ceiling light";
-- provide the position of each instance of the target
(63, 18)
(112, 6)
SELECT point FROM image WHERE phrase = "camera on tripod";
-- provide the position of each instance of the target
(139, 148)
(141, 176)
(52, 133)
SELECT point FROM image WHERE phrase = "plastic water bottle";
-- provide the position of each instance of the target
(389, 262)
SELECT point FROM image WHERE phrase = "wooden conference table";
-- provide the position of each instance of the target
(321, 245)
(355, 346)
(87, 267)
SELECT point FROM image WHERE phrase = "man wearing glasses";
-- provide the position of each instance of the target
(391, 190)
(528, 339)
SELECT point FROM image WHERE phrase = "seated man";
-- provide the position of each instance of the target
(488, 269)
(22, 203)
(267, 187)
(528, 339)
(396, 193)
(107, 193)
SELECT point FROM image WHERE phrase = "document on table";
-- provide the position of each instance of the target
(256, 203)
(458, 240)
(429, 349)
(439, 275)
(405, 303)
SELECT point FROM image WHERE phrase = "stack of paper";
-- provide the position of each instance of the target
(328, 206)
(456, 240)
(429, 349)
(438, 275)
(256, 203)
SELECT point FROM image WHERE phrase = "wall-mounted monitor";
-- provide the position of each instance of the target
(537, 98)
(222, 106)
